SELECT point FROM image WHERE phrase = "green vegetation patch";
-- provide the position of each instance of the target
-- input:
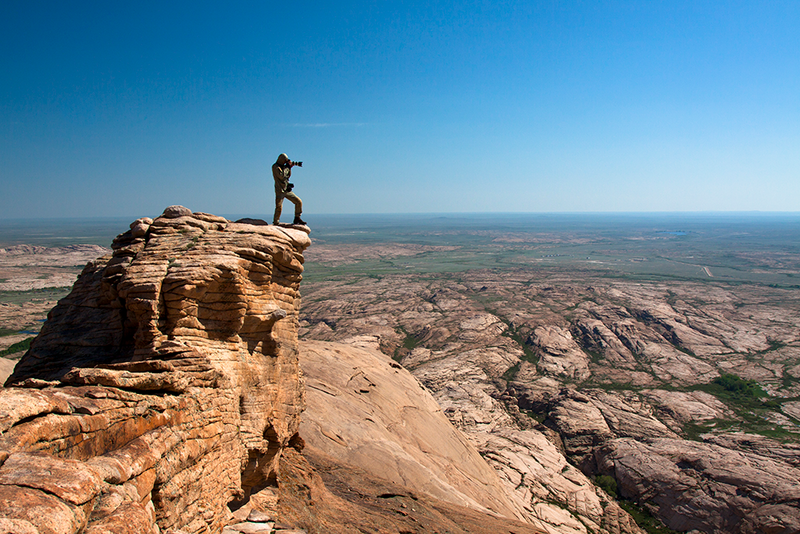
(527, 352)
(536, 416)
(33, 295)
(409, 343)
(608, 484)
(694, 431)
(645, 519)
(640, 514)
(21, 346)
(511, 372)
(611, 386)
(749, 402)
(594, 356)
(739, 387)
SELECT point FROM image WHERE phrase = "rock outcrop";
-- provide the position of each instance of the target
(162, 391)
(706, 487)
(366, 410)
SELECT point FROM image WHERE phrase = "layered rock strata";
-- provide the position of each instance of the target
(162, 391)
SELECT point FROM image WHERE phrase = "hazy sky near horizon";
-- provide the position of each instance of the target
(122, 108)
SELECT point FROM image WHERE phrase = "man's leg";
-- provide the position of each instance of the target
(278, 208)
(298, 207)
(298, 204)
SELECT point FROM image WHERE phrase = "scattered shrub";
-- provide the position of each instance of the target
(608, 484)
(739, 386)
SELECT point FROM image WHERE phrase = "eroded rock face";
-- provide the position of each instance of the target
(704, 486)
(323, 496)
(163, 388)
(542, 369)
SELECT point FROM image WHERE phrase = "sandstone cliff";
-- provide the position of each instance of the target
(163, 389)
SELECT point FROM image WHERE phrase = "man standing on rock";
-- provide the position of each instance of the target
(282, 171)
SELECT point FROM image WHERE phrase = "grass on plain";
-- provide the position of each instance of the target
(19, 347)
(33, 295)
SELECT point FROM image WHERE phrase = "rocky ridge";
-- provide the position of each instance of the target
(558, 378)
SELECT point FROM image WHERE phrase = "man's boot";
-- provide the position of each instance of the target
(298, 220)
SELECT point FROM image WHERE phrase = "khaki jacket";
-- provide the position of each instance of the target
(281, 174)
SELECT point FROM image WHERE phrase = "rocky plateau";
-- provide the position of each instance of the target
(569, 380)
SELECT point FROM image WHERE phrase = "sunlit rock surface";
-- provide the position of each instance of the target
(366, 410)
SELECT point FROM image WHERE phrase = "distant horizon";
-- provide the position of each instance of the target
(785, 226)
(236, 216)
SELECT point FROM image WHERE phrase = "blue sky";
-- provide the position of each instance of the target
(123, 108)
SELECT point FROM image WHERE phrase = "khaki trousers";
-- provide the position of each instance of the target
(291, 197)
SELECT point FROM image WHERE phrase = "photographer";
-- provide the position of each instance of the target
(282, 171)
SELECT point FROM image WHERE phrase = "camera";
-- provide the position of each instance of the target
(289, 187)
(298, 163)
